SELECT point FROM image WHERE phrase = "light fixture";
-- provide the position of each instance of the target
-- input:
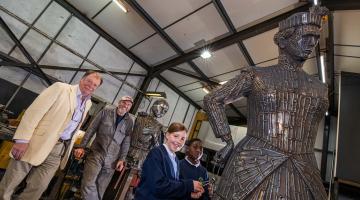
(316, 2)
(327, 113)
(223, 82)
(205, 90)
(205, 54)
(121, 5)
(155, 94)
(322, 69)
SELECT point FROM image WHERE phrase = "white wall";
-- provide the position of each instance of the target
(206, 134)
(179, 109)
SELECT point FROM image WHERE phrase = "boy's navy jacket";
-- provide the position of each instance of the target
(188, 171)
(158, 180)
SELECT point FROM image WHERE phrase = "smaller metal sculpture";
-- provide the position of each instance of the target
(147, 133)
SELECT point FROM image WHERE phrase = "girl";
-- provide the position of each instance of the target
(160, 172)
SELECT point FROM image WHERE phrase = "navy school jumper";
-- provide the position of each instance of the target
(158, 180)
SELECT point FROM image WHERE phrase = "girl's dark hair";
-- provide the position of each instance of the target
(175, 127)
(189, 142)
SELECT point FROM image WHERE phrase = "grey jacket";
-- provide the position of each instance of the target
(110, 141)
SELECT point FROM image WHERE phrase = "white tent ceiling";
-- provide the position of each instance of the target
(156, 33)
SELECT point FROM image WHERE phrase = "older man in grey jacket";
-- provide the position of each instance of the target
(113, 127)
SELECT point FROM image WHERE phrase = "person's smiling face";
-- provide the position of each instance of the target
(195, 151)
(88, 84)
(175, 140)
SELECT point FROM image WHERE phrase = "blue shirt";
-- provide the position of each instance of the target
(119, 119)
(76, 117)
(173, 161)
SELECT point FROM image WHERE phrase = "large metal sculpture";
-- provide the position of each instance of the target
(285, 105)
(147, 133)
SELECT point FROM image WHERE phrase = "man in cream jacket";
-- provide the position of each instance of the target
(44, 137)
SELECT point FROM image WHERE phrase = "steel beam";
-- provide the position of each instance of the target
(8, 58)
(331, 64)
(236, 121)
(86, 58)
(242, 117)
(341, 5)
(145, 84)
(25, 65)
(53, 40)
(149, 20)
(229, 40)
(121, 47)
(331, 94)
(226, 19)
(173, 45)
(162, 79)
(206, 80)
(31, 25)
(103, 8)
(318, 62)
(24, 51)
(102, 33)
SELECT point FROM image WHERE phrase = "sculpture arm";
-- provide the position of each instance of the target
(125, 145)
(160, 135)
(214, 102)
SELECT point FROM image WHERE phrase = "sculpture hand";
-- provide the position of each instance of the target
(223, 154)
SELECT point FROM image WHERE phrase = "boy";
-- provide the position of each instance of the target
(190, 167)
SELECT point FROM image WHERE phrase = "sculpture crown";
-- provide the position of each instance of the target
(313, 17)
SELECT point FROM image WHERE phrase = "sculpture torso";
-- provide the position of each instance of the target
(285, 107)
(146, 134)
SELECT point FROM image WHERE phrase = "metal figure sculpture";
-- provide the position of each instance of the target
(147, 133)
(285, 105)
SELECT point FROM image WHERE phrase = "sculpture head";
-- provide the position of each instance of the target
(299, 34)
(159, 108)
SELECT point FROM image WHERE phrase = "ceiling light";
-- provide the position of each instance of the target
(322, 69)
(223, 82)
(316, 2)
(121, 5)
(205, 54)
(205, 90)
(155, 94)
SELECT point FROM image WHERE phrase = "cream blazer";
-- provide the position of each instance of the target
(45, 120)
